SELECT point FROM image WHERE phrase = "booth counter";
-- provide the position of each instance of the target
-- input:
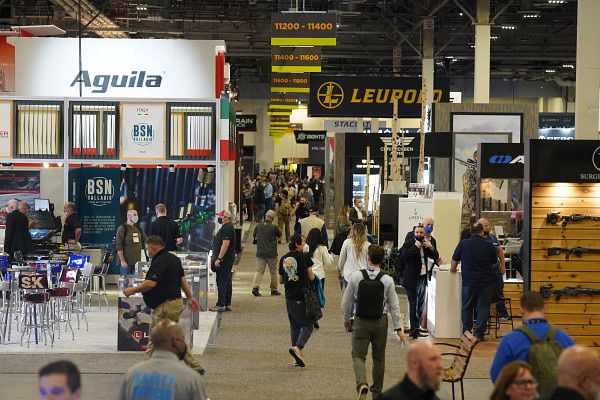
(444, 303)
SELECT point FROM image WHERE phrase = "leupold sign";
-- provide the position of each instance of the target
(351, 96)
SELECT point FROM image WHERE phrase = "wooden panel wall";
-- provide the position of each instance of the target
(579, 316)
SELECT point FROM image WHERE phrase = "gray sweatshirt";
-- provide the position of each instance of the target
(162, 377)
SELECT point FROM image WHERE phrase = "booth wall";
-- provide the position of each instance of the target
(52, 186)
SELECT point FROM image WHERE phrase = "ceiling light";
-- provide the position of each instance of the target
(461, 14)
(494, 37)
(550, 71)
(509, 27)
(568, 66)
(533, 14)
(556, 1)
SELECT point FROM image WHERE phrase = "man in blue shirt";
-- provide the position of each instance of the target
(515, 345)
(477, 257)
(499, 269)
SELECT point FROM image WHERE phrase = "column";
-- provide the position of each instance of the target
(482, 53)
(588, 63)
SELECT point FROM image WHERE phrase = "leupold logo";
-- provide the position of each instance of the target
(596, 158)
(99, 191)
(330, 95)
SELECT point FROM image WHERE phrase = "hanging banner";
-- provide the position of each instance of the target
(308, 136)
(289, 83)
(556, 126)
(501, 160)
(562, 161)
(295, 59)
(245, 123)
(143, 131)
(352, 96)
(438, 144)
(5, 129)
(344, 125)
(95, 191)
(316, 152)
(303, 29)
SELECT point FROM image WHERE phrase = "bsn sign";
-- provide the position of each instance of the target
(99, 191)
(142, 133)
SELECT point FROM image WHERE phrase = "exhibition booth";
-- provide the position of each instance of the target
(114, 125)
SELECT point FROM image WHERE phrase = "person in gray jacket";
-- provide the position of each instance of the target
(266, 234)
(164, 375)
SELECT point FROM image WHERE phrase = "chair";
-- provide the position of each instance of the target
(494, 321)
(98, 281)
(456, 371)
(35, 312)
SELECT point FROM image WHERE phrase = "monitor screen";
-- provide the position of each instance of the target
(41, 204)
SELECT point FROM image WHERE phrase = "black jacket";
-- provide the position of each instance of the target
(563, 394)
(353, 216)
(406, 390)
(17, 236)
(409, 262)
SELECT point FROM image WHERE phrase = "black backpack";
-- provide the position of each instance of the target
(369, 299)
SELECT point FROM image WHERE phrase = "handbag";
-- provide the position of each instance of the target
(311, 302)
(336, 245)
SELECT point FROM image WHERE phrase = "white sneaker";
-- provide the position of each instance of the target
(363, 391)
(297, 354)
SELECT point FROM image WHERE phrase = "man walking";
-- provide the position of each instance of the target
(578, 375)
(375, 296)
(357, 214)
(72, 229)
(129, 241)
(166, 228)
(223, 252)
(477, 258)
(313, 221)
(414, 255)
(266, 234)
(162, 290)
(163, 376)
(499, 268)
(283, 215)
(300, 211)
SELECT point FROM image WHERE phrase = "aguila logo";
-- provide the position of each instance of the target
(330, 95)
(101, 83)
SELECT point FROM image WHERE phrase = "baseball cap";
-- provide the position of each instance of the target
(223, 213)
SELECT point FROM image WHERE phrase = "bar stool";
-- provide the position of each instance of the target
(61, 308)
(98, 281)
(36, 311)
(495, 322)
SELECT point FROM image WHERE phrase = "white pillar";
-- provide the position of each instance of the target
(482, 53)
(588, 63)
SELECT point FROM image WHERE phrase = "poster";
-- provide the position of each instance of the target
(411, 212)
(20, 185)
(96, 196)
(5, 129)
(143, 131)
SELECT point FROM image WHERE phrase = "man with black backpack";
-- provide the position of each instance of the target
(537, 342)
(375, 296)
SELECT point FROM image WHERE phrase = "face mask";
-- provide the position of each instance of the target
(135, 219)
(66, 213)
(420, 239)
(220, 220)
(428, 229)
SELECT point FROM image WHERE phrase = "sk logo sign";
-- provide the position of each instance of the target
(330, 95)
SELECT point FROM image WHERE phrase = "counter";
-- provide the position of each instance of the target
(444, 303)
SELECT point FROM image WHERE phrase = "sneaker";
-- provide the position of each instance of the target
(295, 364)
(507, 318)
(363, 391)
(316, 325)
(297, 354)
(227, 308)
(275, 293)
(255, 292)
(217, 309)
(423, 330)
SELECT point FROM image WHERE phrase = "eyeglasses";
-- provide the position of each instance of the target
(525, 382)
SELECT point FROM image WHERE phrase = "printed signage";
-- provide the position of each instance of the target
(245, 123)
(351, 96)
(99, 191)
(501, 160)
(143, 131)
(5, 129)
(303, 29)
(283, 101)
(295, 59)
(316, 152)
(556, 126)
(309, 136)
(343, 125)
(437, 144)
(290, 83)
(573, 161)
(115, 68)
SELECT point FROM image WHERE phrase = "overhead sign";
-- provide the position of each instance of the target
(501, 160)
(308, 136)
(245, 123)
(352, 96)
(303, 29)
(143, 131)
(283, 101)
(562, 161)
(5, 129)
(343, 125)
(316, 152)
(116, 68)
(295, 59)
(290, 83)
(437, 144)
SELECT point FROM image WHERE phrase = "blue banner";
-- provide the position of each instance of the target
(95, 192)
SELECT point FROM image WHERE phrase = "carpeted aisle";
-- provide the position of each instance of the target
(250, 359)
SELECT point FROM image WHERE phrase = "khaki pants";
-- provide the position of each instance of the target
(365, 332)
(261, 264)
(281, 221)
(172, 310)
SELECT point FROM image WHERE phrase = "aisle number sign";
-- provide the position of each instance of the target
(284, 102)
(303, 29)
(295, 59)
(289, 83)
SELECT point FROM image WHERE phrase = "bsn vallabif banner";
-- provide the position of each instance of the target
(95, 192)
(351, 96)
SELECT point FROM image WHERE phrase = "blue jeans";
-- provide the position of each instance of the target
(224, 285)
(479, 297)
(499, 291)
(416, 300)
(300, 326)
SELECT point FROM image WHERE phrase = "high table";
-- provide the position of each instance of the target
(444, 303)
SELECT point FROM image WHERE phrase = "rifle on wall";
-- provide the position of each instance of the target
(554, 217)
(577, 250)
(547, 290)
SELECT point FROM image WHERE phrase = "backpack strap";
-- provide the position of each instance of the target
(379, 276)
(529, 333)
(551, 334)
(365, 274)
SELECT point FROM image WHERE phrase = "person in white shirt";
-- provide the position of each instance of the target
(375, 295)
(353, 256)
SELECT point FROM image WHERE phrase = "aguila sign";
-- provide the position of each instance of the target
(102, 82)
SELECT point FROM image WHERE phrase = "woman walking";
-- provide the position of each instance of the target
(353, 256)
(295, 272)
